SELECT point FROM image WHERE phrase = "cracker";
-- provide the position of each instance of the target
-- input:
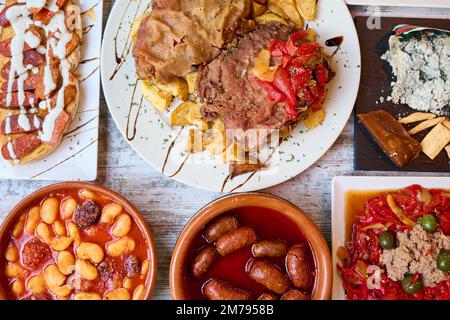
(435, 141)
(416, 117)
(425, 125)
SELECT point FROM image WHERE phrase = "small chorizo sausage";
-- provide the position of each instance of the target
(298, 266)
(132, 266)
(268, 296)
(234, 240)
(219, 226)
(268, 275)
(86, 214)
(294, 294)
(269, 249)
(35, 253)
(203, 260)
(216, 289)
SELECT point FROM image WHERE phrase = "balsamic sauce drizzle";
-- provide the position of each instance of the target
(130, 109)
(90, 74)
(180, 167)
(80, 126)
(120, 60)
(335, 42)
(88, 28)
(94, 6)
(227, 179)
(66, 159)
(169, 151)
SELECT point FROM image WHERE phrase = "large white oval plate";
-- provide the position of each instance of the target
(148, 133)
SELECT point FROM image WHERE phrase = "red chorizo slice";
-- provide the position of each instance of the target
(5, 45)
(21, 146)
(61, 123)
(40, 87)
(71, 45)
(4, 22)
(30, 98)
(269, 249)
(29, 84)
(70, 93)
(219, 227)
(268, 275)
(12, 121)
(44, 16)
(203, 260)
(235, 240)
(294, 294)
(35, 253)
(298, 266)
(216, 289)
(31, 57)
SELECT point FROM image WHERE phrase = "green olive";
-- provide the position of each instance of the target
(410, 286)
(443, 260)
(387, 239)
(428, 222)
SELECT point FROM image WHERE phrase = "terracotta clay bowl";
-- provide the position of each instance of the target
(19, 209)
(318, 245)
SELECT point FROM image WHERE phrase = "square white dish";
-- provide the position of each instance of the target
(341, 185)
(402, 3)
(76, 156)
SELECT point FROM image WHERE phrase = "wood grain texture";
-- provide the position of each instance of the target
(168, 205)
(375, 83)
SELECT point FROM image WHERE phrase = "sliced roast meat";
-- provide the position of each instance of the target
(226, 90)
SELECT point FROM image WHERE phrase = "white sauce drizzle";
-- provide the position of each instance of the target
(20, 21)
(56, 26)
(8, 124)
(11, 152)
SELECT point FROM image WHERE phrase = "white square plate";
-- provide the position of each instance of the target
(76, 156)
(341, 185)
(403, 3)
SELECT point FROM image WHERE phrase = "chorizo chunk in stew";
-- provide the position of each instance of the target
(132, 266)
(35, 253)
(87, 214)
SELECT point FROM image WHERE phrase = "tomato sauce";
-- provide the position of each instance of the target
(269, 225)
(99, 233)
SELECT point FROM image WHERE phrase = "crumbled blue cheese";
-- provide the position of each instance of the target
(422, 69)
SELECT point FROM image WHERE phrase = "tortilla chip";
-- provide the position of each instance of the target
(307, 9)
(416, 117)
(425, 125)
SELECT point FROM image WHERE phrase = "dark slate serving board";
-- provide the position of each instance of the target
(375, 82)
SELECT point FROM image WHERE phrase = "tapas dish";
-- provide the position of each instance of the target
(44, 70)
(76, 241)
(224, 101)
(248, 247)
(396, 243)
(414, 103)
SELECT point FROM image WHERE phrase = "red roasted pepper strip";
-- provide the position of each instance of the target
(282, 82)
(271, 91)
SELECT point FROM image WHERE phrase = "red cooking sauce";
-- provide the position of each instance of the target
(99, 233)
(366, 209)
(269, 225)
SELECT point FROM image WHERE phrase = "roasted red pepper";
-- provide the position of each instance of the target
(271, 91)
(282, 82)
(301, 75)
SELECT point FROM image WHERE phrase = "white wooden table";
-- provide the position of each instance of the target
(168, 205)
